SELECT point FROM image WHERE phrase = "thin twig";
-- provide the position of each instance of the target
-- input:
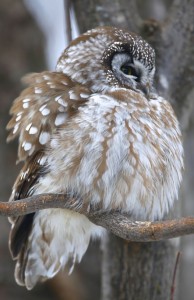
(119, 224)
(174, 276)
(68, 29)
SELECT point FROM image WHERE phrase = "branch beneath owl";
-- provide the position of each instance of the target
(119, 224)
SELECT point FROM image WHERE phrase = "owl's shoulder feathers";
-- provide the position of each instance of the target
(47, 103)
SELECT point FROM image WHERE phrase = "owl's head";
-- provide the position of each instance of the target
(108, 57)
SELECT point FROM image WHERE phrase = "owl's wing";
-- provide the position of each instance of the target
(29, 175)
(47, 103)
(21, 226)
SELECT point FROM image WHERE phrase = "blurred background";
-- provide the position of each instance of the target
(32, 37)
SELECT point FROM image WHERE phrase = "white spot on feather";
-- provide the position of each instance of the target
(18, 118)
(61, 109)
(25, 105)
(33, 130)
(44, 138)
(42, 107)
(27, 146)
(28, 126)
(73, 95)
(51, 85)
(37, 90)
(60, 119)
(26, 100)
(42, 160)
(57, 98)
(45, 112)
(84, 95)
(64, 82)
(16, 128)
(61, 101)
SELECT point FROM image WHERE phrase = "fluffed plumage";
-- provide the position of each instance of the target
(96, 129)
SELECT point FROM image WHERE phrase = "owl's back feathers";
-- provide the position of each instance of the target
(38, 112)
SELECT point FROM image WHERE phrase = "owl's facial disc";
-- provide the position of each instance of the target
(131, 73)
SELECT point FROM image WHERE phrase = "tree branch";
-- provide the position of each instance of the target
(138, 231)
(172, 292)
(173, 41)
(68, 29)
(119, 13)
(119, 224)
(178, 38)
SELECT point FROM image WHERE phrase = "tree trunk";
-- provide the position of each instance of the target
(137, 270)
(145, 270)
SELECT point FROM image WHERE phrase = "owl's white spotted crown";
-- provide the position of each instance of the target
(96, 49)
(133, 44)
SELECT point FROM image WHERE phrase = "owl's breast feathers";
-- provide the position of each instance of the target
(116, 148)
(120, 151)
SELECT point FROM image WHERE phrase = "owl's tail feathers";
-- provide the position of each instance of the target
(57, 237)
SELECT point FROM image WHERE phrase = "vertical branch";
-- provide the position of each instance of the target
(119, 13)
(174, 276)
(68, 29)
(176, 56)
(173, 41)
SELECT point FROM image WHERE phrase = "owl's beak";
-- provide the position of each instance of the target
(145, 88)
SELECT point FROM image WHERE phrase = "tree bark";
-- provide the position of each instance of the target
(119, 13)
(119, 224)
(134, 270)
